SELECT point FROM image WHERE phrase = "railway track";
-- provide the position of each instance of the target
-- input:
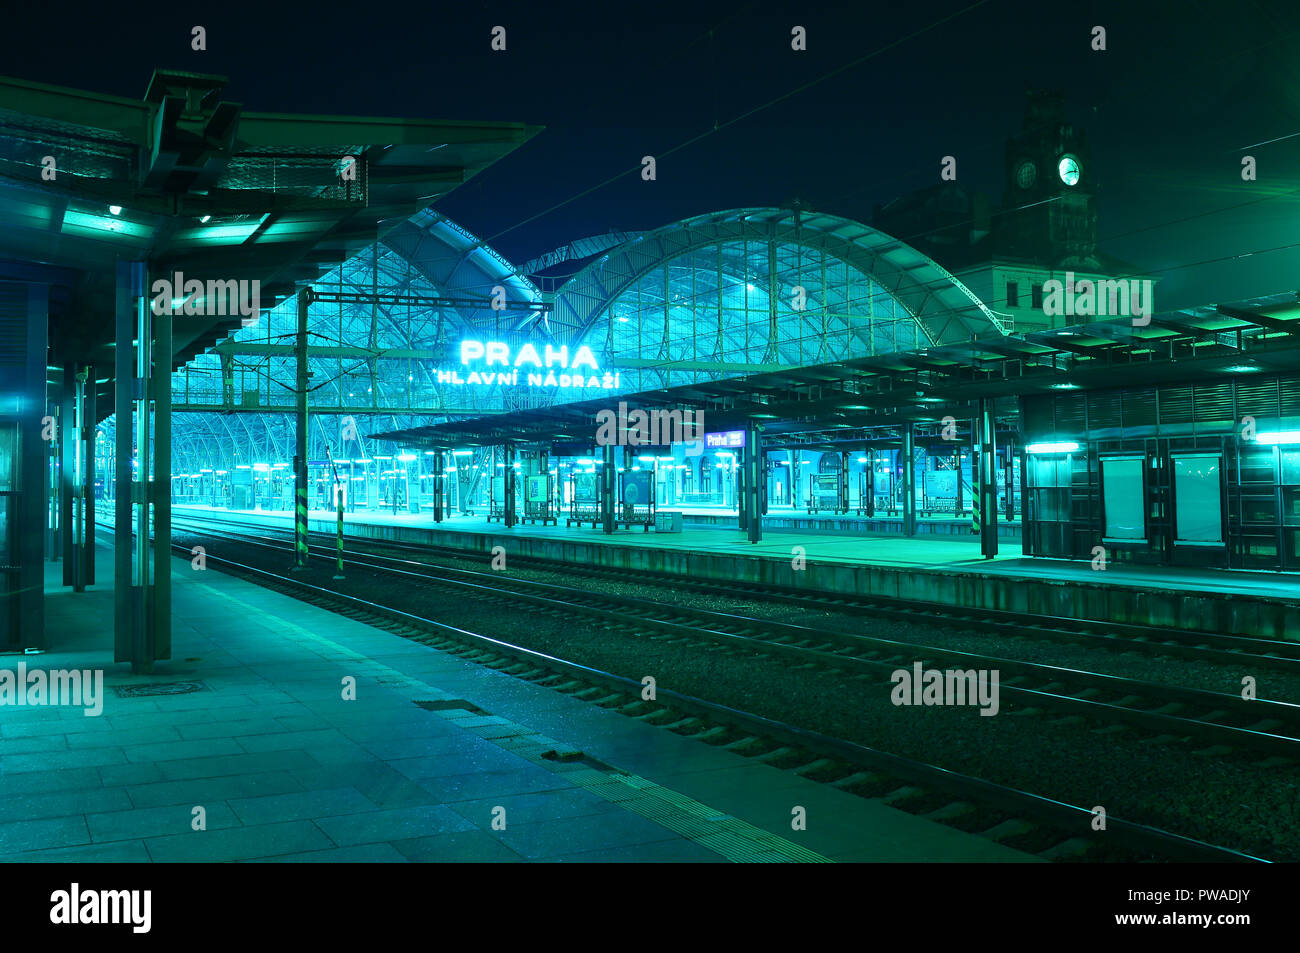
(1225, 722)
(1149, 640)
(997, 811)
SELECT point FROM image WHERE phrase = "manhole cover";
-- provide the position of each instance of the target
(160, 688)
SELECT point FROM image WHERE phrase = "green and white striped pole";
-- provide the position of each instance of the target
(338, 575)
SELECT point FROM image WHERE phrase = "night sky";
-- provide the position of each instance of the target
(1168, 107)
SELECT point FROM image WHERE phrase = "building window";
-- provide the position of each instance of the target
(1013, 294)
(1037, 293)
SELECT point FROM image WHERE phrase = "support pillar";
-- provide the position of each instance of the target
(161, 390)
(52, 481)
(754, 484)
(511, 517)
(608, 481)
(959, 505)
(87, 415)
(909, 476)
(439, 485)
(870, 487)
(988, 486)
(67, 476)
(24, 311)
(300, 436)
(1009, 469)
(142, 604)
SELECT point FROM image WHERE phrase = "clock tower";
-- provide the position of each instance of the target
(1048, 214)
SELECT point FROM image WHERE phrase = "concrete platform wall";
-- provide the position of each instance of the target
(1235, 614)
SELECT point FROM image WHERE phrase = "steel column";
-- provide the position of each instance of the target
(909, 476)
(439, 485)
(300, 436)
(754, 484)
(67, 475)
(988, 483)
(608, 481)
(88, 416)
(508, 452)
(24, 308)
(130, 285)
(871, 484)
(1009, 479)
(161, 390)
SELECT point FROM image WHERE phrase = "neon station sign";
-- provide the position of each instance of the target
(485, 363)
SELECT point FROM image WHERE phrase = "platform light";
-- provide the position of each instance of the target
(1067, 446)
(862, 459)
(115, 210)
(647, 459)
(204, 219)
(451, 469)
(462, 453)
(1278, 437)
(1065, 386)
(407, 457)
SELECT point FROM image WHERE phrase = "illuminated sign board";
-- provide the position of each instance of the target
(726, 439)
(493, 362)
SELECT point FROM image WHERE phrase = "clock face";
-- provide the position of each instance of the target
(1026, 175)
(1069, 170)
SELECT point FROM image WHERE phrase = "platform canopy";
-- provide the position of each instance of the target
(827, 402)
(191, 182)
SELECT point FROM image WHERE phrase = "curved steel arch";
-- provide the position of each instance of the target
(945, 309)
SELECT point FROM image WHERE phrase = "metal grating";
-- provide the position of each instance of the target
(1257, 398)
(1212, 402)
(1177, 405)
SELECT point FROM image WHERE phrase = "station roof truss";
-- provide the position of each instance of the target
(862, 401)
(743, 291)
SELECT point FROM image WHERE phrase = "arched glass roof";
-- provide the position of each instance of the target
(726, 294)
(375, 363)
(745, 290)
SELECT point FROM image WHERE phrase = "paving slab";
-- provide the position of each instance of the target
(287, 769)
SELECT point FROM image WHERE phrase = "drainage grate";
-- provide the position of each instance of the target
(444, 704)
(160, 688)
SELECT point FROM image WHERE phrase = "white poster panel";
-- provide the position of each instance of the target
(1123, 496)
(1198, 515)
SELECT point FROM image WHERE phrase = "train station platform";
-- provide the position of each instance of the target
(248, 722)
(947, 570)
